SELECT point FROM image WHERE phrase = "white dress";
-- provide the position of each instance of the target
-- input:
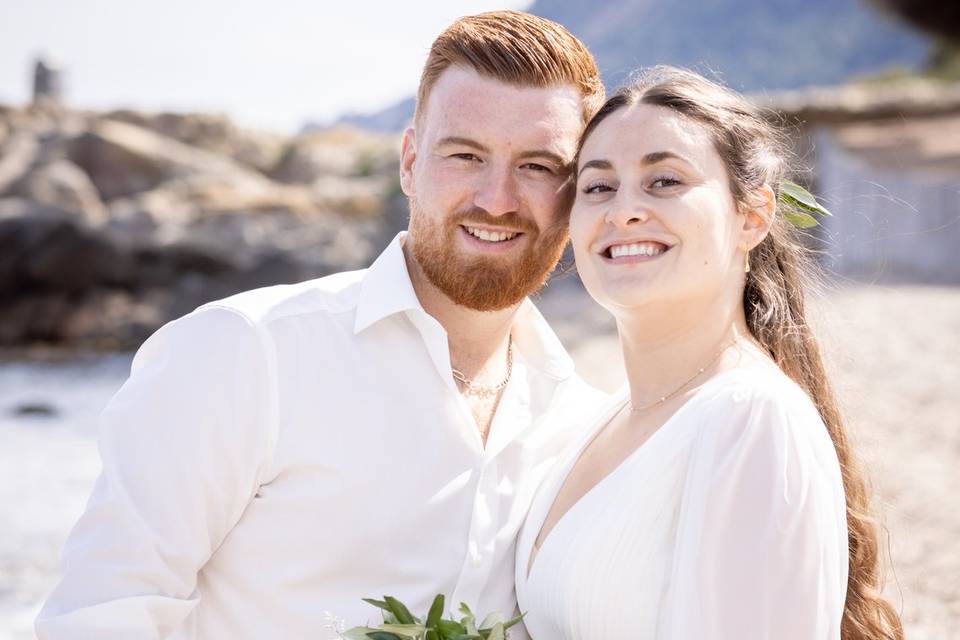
(728, 523)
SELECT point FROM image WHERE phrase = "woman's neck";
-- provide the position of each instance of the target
(665, 346)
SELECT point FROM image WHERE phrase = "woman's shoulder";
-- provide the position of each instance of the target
(760, 404)
(759, 385)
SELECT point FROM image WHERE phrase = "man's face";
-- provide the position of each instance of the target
(486, 172)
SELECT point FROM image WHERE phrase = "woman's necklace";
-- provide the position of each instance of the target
(647, 407)
(481, 391)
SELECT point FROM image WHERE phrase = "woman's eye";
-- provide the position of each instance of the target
(597, 187)
(664, 181)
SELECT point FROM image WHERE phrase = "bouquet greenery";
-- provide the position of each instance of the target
(400, 624)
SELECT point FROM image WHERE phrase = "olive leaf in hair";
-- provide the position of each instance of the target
(800, 206)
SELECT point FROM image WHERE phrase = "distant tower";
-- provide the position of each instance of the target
(47, 82)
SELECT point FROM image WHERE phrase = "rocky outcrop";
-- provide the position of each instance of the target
(111, 225)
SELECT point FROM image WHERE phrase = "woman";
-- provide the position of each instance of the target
(717, 496)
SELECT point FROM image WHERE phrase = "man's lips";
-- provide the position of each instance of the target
(491, 235)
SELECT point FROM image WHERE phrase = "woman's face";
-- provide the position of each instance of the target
(654, 220)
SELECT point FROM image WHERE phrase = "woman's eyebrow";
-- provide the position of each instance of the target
(595, 164)
(660, 156)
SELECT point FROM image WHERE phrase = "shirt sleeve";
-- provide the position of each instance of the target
(762, 537)
(184, 445)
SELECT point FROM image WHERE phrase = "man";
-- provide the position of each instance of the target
(280, 454)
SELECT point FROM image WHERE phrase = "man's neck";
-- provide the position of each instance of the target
(478, 340)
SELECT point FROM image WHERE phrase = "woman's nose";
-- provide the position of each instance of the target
(626, 211)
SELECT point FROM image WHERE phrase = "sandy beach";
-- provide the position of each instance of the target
(894, 352)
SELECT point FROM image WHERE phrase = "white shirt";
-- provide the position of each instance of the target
(278, 455)
(728, 523)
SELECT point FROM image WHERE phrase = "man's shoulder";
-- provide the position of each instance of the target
(334, 293)
(579, 400)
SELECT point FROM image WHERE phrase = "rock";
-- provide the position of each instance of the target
(101, 319)
(343, 152)
(114, 319)
(16, 158)
(123, 159)
(213, 132)
(63, 185)
(33, 317)
(352, 196)
(35, 409)
(47, 247)
(112, 226)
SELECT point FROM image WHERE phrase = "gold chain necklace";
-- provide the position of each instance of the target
(699, 372)
(482, 391)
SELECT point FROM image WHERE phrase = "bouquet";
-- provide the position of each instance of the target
(400, 624)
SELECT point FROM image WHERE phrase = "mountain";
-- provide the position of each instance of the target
(751, 45)
(396, 117)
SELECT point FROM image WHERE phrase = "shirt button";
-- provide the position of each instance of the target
(477, 560)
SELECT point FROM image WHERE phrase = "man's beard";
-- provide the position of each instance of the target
(484, 283)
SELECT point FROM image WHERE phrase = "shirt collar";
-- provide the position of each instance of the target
(387, 290)
(386, 287)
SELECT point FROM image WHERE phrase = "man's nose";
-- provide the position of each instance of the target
(497, 194)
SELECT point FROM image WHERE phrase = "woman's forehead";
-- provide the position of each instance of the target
(639, 129)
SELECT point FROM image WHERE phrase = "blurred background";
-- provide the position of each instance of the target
(155, 157)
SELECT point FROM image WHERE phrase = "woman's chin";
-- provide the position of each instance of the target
(618, 295)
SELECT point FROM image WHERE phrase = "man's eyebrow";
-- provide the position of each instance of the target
(461, 142)
(547, 155)
(473, 144)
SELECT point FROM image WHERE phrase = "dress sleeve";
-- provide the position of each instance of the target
(184, 445)
(762, 540)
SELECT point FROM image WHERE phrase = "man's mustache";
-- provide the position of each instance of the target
(509, 220)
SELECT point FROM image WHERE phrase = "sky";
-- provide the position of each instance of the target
(271, 65)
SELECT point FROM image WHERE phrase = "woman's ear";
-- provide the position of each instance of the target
(408, 154)
(758, 210)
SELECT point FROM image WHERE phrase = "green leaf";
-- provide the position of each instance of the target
(405, 630)
(468, 620)
(377, 603)
(399, 610)
(802, 198)
(358, 633)
(491, 620)
(383, 635)
(512, 621)
(497, 632)
(800, 219)
(451, 629)
(436, 611)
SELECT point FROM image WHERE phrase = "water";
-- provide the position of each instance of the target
(48, 464)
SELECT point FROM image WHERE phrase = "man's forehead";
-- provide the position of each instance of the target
(464, 103)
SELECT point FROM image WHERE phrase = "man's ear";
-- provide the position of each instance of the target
(408, 155)
(758, 215)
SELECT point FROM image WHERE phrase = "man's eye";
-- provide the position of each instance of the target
(465, 156)
(537, 167)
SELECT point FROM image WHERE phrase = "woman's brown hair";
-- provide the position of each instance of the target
(782, 270)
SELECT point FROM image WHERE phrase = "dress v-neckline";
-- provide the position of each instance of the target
(621, 398)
